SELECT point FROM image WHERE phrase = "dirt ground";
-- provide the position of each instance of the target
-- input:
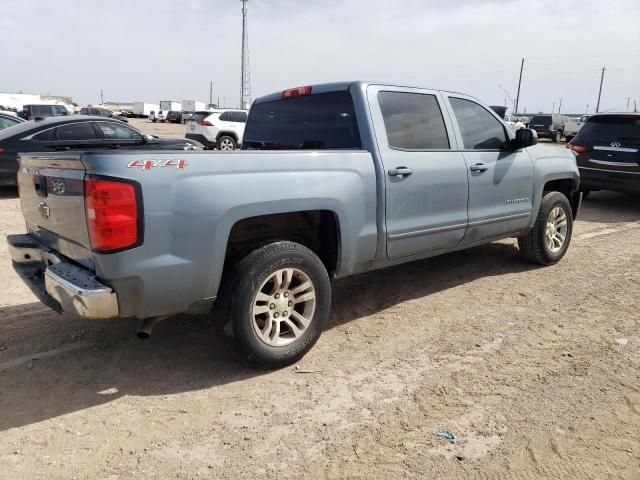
(535, 370)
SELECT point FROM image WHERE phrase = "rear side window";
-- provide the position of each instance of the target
(227, 117)
(41, 109)
(5, 122)
(413, 121)
(117, 131)
(240, 117)
(45, 136)
(611, 128)
(314, 122)
(76, 131)
(84, 111)
(480, 130)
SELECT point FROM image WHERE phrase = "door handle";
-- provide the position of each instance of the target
(479, 167)
(400, 172)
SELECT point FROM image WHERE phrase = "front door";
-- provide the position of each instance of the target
(426, 180)
(500, 178)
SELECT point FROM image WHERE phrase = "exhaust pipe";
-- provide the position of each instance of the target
(147, 326)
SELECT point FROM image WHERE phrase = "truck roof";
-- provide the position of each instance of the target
(338, 86)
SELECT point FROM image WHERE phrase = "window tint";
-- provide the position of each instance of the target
(541, 120)
(41, 109)
(199, 116)
(5, 122)
(76, 131)
(59, 110)
(413, 121)
(113, 131)
(106, 113)
(317, 121)
(611, 128)
(480, 130)
(45, 136)
(240, 117)
(84, 111)
(227, 117)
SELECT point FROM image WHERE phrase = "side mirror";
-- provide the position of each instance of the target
(525, 137)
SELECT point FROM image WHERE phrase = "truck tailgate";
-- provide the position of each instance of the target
(52, 199)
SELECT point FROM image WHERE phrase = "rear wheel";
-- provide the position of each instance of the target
(276, 304)
(548, 240)
(225, 142)
(557, 137)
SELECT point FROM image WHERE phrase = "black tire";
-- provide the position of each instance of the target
(569, 138)
(226, 140)
(557, 137)
(533, 246)
(585, 192)
(239, 294)
(154, 120)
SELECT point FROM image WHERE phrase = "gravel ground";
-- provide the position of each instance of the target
(535, 370)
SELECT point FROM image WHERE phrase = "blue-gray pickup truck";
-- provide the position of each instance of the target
(332, 180)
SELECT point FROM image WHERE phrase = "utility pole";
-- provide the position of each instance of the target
(587, 109)
(210, 93)
(553, 109)
(101, 98)
(600, 91)
(628, 100)
(519, 83)
(245, 75)
(560, 107)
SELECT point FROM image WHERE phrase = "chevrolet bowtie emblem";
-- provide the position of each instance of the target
(44, 210)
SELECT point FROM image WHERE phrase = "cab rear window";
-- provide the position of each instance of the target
(307, 122)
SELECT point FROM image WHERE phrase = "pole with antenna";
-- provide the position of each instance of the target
(600, 91)
(519, 84)
(245, 75)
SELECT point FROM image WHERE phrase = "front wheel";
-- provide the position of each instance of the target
(276, 304)
(548, 240)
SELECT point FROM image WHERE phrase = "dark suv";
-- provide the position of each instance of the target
(174, 116)
(102, 112)
(544, 127)
(30, 112)
(607, 150)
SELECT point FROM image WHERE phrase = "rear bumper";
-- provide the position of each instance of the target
(198, 137)
(59, 284)
(600, 179)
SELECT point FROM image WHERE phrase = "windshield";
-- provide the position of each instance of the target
(610, 128)
(317, 121)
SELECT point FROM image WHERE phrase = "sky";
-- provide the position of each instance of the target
(151, 50)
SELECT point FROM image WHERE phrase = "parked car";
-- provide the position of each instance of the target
(174, 117)
(222, 129)
(513, 122)
(77, 132)
(607, 150)
(333, 180)
(548, 126)
(572, 126)
(9, 120)
(31, 112)
(102, 112)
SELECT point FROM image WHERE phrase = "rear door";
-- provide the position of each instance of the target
(426, 177)
(500, 178)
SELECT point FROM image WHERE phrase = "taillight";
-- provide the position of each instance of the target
(1, 150)
(205, 123)
(577, 148)
(113, 214)
(296, 92)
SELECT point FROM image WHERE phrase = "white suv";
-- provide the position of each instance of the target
(222, 129)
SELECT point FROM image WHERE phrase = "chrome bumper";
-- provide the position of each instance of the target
(59, 284)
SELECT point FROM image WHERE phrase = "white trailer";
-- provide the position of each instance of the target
(189, 107)
(143, 109)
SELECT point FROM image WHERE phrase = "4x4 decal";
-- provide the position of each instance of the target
(149, 164)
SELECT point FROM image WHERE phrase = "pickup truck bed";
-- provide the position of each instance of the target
(332, 180)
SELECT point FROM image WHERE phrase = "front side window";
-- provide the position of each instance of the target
(5, 122)
(113, 131)
(240, 117)
(84, 111)
(76, 131)
(41, 109)
(480, 130)
(413, 121)
(59, 110)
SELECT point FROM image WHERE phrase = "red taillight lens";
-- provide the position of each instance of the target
(112, 214)
(205, 123)
(1, 149)
(576, 148)
(296, 92)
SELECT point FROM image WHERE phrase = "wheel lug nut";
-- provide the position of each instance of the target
(277, 295)
(290, 303)
(286, 294)
(284, 314)
(276, 315)
(272, 306)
